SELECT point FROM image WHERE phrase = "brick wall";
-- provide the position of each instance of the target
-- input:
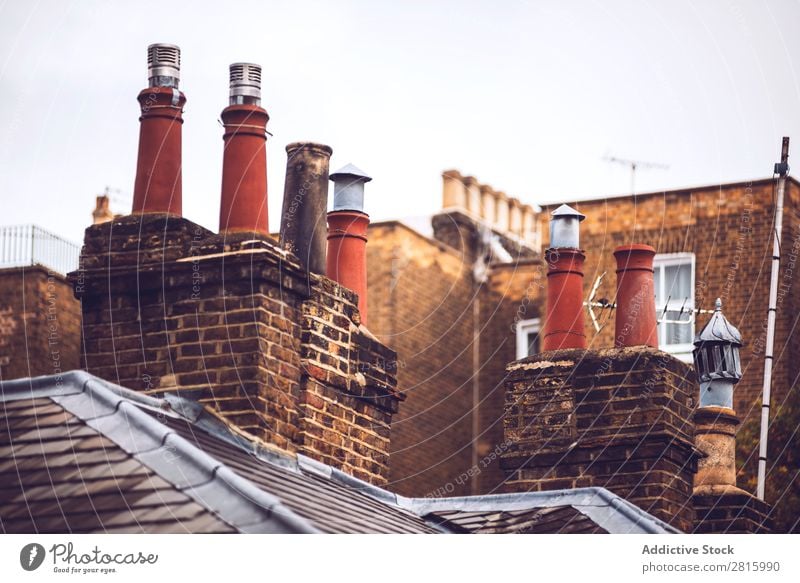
(425, 304)
(39, 323)
(614, 418)
(419, 288)
(237, 324)
(420, 295)
(725, 512)
(513, 293)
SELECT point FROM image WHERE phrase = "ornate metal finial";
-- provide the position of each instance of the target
(716, 359)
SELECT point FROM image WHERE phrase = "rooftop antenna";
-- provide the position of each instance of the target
(635, 165)
(117, 195)
(781, 170)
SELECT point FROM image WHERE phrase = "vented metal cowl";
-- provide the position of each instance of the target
(245, 84)
(163, 65)
(348, 188)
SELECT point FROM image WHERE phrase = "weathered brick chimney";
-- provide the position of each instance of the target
(240, 325)
(618, 418)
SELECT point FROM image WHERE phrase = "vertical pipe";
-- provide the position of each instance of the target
(782, 169)
(476, 384)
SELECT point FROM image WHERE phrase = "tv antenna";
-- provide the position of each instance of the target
(117, 195)
(634, 165)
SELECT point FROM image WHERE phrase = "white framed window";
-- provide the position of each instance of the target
(674, 283)
(528, 337)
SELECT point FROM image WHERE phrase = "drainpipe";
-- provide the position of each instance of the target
(157, 188)
(305, 201)
(781, 169)
(243, 205)
(347, 234)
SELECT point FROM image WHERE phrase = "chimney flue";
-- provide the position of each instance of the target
(347, 234)
(635, 323)
(158, 186)
(243, 205)
(564, 320)
(718, 368)
(305, 201)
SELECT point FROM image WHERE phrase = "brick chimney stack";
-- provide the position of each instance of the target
(636, 308)
(158, 171)
(347, 234)
(237, 323)
(565, 319)
(244, 167)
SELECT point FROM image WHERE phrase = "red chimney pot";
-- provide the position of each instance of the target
(158, 187)
(565, 319)
(347, 253)
(243, 206)
(636, 308)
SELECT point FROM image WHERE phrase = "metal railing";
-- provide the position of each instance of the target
(24, 245)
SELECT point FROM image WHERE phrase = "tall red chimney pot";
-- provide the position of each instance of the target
(243, 206)
(564, 319)
(158, 187)
(636, 305)
(347, 234)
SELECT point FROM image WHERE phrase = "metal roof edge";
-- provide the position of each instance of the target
(599, 504)
(315, 467)
(72, 382)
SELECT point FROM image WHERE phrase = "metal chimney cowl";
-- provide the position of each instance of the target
(245, 84)
(348, 188)
(164, 65)
(716, 359)
(565, 228)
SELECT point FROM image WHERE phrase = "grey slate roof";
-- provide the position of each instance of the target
(78, 454)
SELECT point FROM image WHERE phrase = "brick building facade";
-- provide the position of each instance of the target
(40, 323)
(448, 436)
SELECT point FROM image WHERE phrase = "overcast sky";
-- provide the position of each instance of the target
(527, 96)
